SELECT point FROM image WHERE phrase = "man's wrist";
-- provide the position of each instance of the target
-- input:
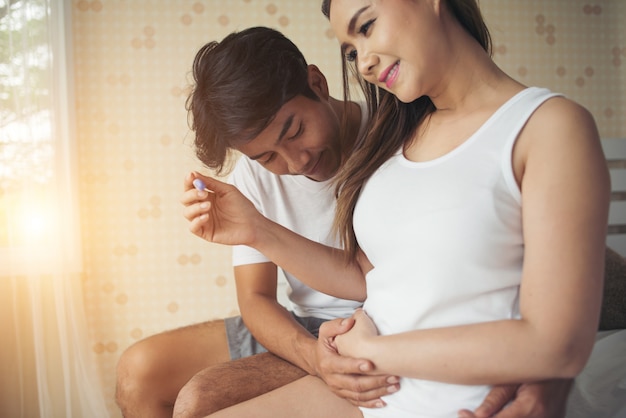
(307, 349)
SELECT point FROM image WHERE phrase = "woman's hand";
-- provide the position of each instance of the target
(350, 378)
(354, 342)
(223, 215)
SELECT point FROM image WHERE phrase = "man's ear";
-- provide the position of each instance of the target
(317, 82)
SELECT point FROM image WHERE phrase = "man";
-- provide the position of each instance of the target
(255, 94)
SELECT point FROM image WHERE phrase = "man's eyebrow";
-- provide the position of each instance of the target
(352, 24)
(286, 126)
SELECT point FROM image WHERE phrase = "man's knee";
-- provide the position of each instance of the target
(231, 383)
(133, 371)
(198, 398)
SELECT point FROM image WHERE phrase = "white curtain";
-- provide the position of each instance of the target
(46, 366)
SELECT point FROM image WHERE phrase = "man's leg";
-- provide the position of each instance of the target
(228, 384)
(151, 372)
(308, 397)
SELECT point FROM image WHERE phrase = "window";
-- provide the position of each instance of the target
(37, 203)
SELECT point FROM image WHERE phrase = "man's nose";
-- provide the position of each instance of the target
(297, 160)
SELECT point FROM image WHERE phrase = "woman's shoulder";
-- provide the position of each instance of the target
(560, 134)
(561, 109)
(561, 121)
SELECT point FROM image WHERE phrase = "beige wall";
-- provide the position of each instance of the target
(144, 272)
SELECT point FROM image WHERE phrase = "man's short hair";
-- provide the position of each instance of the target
(240, 84)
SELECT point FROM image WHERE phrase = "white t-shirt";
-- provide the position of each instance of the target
(304, 206)
(445, 239)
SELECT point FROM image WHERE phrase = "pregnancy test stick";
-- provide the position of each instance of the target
(199, 184)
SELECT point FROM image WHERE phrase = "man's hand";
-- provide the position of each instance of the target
(223, 216)
(349, 378)
(530, 400)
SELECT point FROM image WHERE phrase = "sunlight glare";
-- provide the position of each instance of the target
(33, 226)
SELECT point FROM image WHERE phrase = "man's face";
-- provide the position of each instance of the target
(303, 139)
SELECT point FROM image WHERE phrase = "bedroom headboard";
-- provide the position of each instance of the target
(615, 152)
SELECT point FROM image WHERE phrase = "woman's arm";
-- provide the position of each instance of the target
(226, 216)
(565, 187)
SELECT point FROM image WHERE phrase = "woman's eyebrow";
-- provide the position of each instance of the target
(352, 24)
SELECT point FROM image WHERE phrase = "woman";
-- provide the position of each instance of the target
(475, 207)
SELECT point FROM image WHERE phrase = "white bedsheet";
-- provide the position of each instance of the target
(600, 390)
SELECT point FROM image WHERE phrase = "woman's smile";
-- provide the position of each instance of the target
(390, 74)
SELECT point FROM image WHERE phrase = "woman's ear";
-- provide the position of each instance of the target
(317, 82)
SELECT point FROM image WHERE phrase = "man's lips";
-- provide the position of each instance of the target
(309, 170)
(389, 75)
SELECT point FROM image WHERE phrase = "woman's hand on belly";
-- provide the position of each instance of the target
(355, 342)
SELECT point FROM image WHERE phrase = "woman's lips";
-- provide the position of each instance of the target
(390, 74)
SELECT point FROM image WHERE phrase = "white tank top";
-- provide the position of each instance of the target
(445, 239)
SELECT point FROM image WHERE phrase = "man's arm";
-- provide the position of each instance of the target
(276, 329)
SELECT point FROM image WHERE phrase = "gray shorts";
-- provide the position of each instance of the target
(241, 343)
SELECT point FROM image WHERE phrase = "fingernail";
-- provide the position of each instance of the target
(204, 205)
(379, 404)
(199, 184)
(392, 380)
(392, 389)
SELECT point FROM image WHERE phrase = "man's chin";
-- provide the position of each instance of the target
(313, 178)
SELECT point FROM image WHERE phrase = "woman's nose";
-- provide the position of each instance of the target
(366, 63)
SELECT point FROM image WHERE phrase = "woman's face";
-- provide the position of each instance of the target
(394, 43)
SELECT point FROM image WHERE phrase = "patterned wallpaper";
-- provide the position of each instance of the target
(144, 272)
